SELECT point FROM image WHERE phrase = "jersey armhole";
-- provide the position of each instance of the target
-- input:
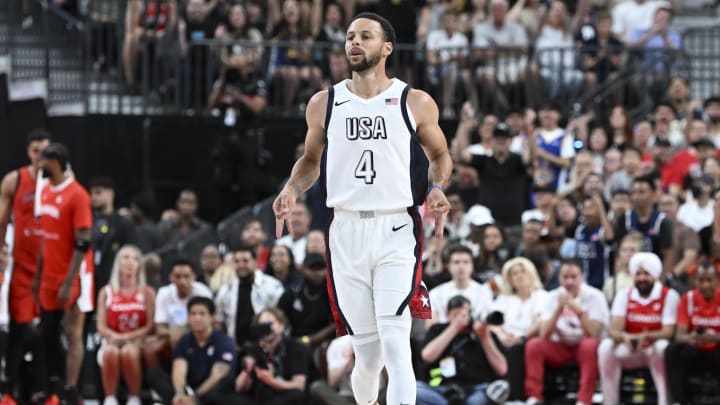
(405, 112)
(328, 109)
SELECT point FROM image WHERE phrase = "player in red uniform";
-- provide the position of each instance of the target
(63, 281)
(697, 343)
(125, 312)
(17, 203)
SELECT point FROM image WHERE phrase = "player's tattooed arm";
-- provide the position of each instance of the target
(77, 259)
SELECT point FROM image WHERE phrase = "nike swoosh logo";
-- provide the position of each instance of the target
(397, 228)
(337, 103)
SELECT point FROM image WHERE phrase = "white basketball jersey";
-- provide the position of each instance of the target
(372, 159)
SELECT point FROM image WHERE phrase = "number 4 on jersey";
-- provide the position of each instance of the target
(365, 168)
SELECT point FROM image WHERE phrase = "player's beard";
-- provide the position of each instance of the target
(46, 173)
(366, 63)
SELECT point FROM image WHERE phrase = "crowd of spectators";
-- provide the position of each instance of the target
(550, 223)
(243, 56)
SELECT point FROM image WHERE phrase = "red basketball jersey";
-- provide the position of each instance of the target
(694, 312)
(125, 313)
(645, 317)
(64, 209)
(28, 232)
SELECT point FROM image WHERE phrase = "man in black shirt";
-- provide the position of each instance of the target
(645, 218)
(308, 306)
(463, 353)
(503, 177)
(110, 230)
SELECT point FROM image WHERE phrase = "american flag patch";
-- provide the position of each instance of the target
(391, 101)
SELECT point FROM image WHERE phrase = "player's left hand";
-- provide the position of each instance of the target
(64, 293)
(439, 206)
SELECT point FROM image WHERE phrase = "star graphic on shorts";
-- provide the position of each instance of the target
(425, 301)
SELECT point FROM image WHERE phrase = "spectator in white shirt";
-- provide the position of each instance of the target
(171, 312)
(447, 52)
(520, 302)
(643, 321)
(460, 267)
(251, 292)
(573, 318)
(697, 212)
(632, 15)
(500, 43)
(296, 240)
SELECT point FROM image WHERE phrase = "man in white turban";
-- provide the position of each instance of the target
(641, 324)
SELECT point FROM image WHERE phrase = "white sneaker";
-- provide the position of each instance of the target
(133, 400)
(110, 400)
(532, 401)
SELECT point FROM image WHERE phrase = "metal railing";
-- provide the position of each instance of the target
(171, 80)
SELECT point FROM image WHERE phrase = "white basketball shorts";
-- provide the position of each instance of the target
(374, 266)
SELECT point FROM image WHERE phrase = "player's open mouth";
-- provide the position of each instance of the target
(356, 52)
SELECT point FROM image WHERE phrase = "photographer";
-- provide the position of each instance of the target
(275, 370)
(240, 92)
(465, 355)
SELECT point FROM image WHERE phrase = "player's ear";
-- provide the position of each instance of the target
(388, 48)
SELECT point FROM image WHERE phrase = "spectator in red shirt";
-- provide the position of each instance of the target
(697, 343)
(641, 324)
(685, 160)
(63, 280)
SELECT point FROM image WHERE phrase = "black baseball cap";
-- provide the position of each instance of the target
(314, 261)
(502, 130)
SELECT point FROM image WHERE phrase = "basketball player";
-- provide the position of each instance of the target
(17, 202)
(372, 140)
(63, 281)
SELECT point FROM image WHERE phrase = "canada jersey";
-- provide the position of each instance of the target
(64, 209)
(125, 313)
(372, 158)
(645, 317)
(27, 231)
(695, 312)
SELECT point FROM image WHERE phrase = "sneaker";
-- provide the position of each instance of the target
(111, 400)
(533, 401)
(133, 400)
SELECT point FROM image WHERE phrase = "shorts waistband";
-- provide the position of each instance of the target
(367, 214)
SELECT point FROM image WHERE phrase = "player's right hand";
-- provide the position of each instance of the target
(282, 207)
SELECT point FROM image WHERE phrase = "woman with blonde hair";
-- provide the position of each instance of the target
(520, 302)
(125, 312)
